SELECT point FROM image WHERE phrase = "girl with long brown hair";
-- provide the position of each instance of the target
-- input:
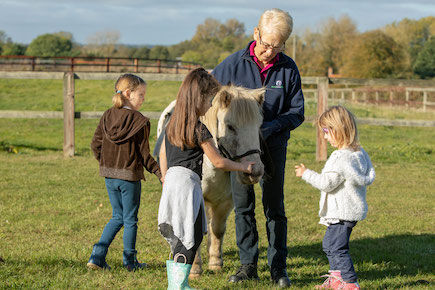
(182, 220)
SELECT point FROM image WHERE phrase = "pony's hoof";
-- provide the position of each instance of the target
(195, 272)
(215, 267)
(194, 275)
(215, 264)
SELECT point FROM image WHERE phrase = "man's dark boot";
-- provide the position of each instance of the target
(280, 277)
(245, 272)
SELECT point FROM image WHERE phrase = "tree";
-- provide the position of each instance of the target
(373, 55)
(335, 38)
(49, 45)
(309, 56)
(102, 43)
(142, 52)
(3, 39)
(11, 48)
(65, 34)
(207, 31)
(159, 52)
(412, 36)
(179, 49)
(192, 56)
(424, 65)
(212, 40)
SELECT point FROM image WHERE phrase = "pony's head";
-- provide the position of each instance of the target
(234, 120)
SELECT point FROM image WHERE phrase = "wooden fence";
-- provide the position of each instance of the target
(321, 93)
(94, 64)
(391, 96)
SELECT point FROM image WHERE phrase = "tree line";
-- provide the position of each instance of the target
(404, 49)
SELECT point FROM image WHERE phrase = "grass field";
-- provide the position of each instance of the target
(53, 209)
(90, 95)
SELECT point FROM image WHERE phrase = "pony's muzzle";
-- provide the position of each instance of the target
(255, 176)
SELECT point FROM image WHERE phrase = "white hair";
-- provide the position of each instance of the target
(276, 21)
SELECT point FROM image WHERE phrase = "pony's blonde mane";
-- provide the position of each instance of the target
(243, 107)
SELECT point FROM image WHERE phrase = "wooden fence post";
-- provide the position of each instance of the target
(107, 64)
(33, 63)
(322, 104)
(158, 66)
(391, 97)
(424, 100)
(72, 64)
(68, 114)
(136, 65)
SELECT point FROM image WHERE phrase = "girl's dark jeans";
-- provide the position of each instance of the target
(336, 248)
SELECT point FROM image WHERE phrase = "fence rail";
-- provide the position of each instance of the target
(94, 64)
(321, 93)
(402, 96)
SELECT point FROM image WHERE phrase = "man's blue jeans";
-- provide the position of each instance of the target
(125, 200)
(336, 248)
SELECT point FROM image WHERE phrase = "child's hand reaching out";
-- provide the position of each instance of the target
(300, 169)
(247, 166)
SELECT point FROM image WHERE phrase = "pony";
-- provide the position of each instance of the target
(234, 121)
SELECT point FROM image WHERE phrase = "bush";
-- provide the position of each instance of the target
(425, 63)
(50, 45)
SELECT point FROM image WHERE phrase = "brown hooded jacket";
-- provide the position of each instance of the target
(121, 145)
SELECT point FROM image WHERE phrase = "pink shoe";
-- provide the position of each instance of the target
(332, 281)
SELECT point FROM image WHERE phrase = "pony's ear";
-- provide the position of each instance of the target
(224, 98)
(258, 95)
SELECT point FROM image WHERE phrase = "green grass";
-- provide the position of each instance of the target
(53, 209)
(376, 111)
(46, 95)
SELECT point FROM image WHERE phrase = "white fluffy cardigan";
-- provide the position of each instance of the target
(343, 184)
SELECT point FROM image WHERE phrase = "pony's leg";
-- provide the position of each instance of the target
(196, 270)
(218, 214)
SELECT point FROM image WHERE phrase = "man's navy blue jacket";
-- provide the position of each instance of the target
(283, 107)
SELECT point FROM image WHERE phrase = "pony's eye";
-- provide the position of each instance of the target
(231, 128)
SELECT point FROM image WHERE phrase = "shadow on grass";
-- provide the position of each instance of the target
(389, 262)
(56, 263)
(16, 147)
(7, 146)
(375, 259)
(44, 262)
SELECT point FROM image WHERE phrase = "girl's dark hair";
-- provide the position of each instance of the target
(198, 87)
(124, 82)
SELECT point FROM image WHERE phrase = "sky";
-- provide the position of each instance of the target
(167, 22)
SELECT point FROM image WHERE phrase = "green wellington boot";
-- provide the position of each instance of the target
(178, 274)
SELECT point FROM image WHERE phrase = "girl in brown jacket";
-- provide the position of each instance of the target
(121, 146)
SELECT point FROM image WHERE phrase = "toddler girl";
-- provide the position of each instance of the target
(121, 146)
(342, 184)
(182, 220)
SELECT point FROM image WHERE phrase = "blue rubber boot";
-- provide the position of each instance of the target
(131, 263)
(98, 258)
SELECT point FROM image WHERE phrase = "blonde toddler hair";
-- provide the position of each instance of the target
(124, 82)
(342, 125)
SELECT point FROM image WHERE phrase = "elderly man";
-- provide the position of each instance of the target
(263, 64)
